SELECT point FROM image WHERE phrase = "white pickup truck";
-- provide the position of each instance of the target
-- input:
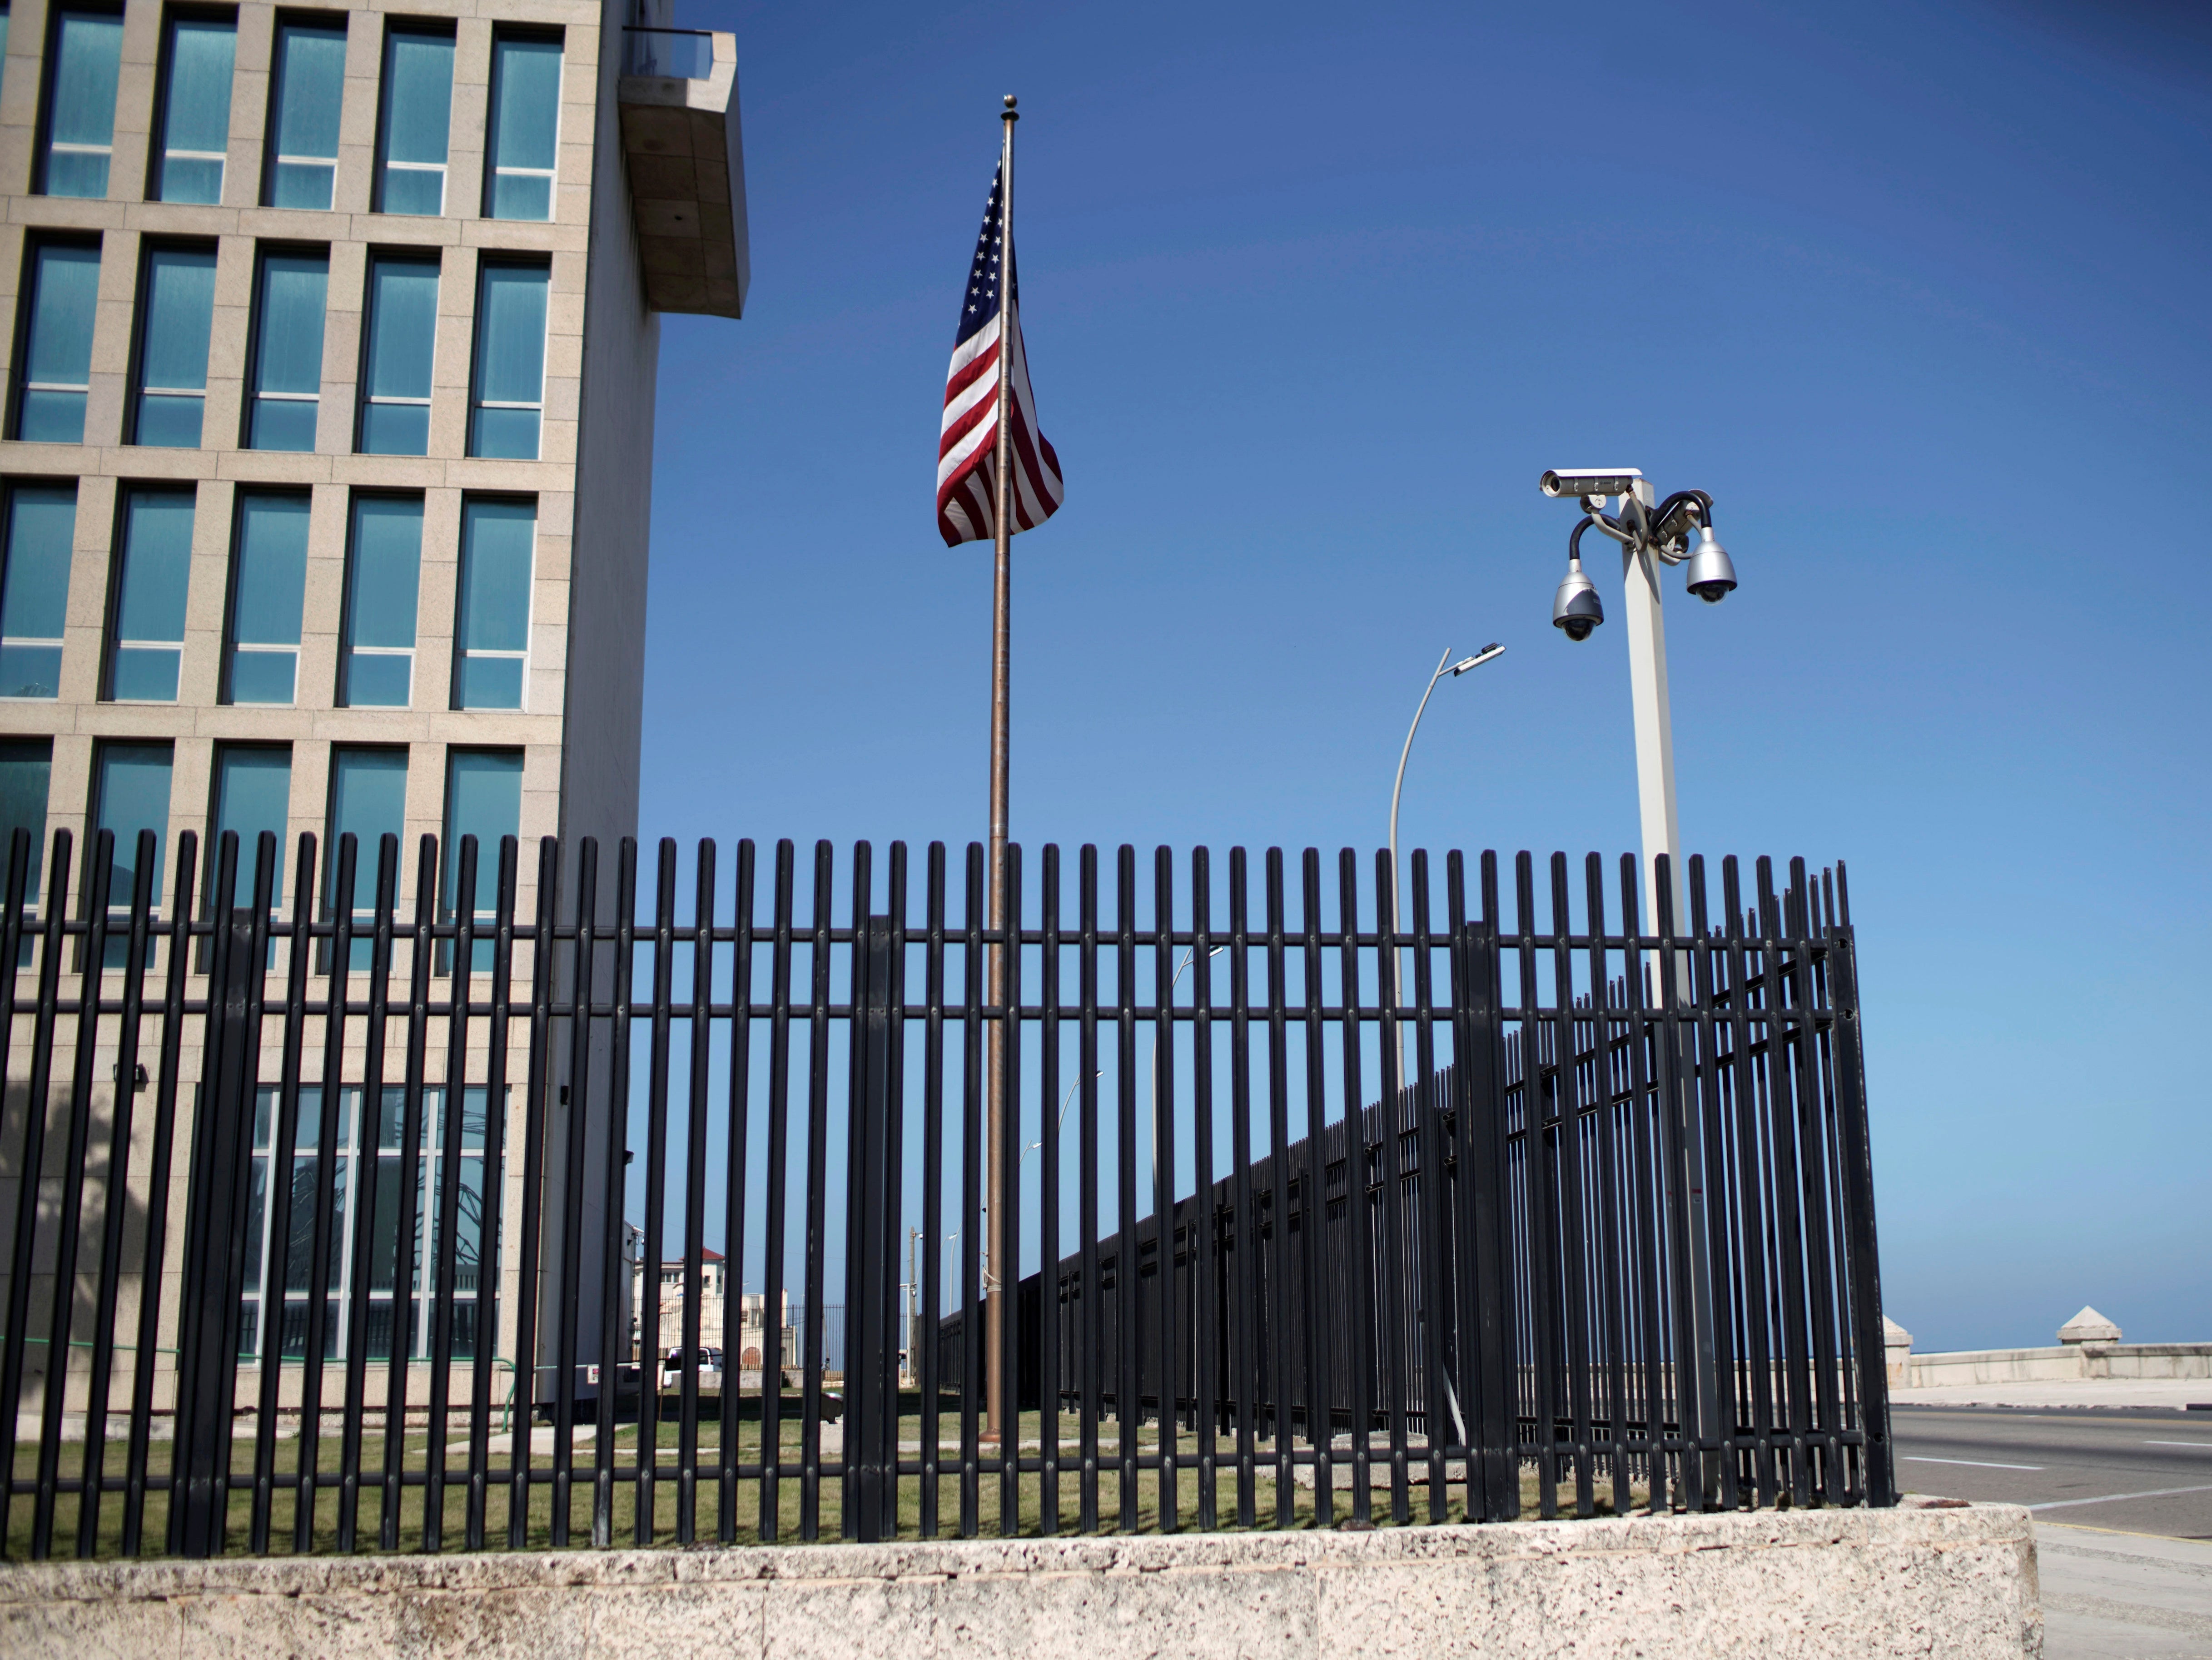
(710, 1371)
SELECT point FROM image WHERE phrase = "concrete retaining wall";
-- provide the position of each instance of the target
(2064, 1363)
(1960, 1584)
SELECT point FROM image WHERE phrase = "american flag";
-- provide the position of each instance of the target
(967, 445)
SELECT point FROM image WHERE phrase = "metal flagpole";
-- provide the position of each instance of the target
(996, 1284)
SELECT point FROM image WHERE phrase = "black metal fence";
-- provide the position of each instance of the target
(317, 1221)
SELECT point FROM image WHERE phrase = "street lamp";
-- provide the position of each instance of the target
(1651, 533)
(1064, 1106)
(1174, 979)
(1444, 665)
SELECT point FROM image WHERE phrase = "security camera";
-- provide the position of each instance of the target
(1588, 481)
(1712, 574)
(1574, 607)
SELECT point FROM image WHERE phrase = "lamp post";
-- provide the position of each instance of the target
(1174, 979)
(911, 1292)
(1444, 665)
(1068, 1101)
(1651, 533)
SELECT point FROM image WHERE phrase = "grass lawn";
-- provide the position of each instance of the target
(1122, 1507)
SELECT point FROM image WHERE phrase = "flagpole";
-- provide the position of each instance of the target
(997, 1282)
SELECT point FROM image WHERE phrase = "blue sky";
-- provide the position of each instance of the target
(1313, 294)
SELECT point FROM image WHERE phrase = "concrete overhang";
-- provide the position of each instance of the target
(685, 157)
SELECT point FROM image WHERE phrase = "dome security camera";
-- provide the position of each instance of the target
(1712, 574)
(1574, 607)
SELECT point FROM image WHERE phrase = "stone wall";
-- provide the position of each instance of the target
(1955, 1583)
(2063, 1363)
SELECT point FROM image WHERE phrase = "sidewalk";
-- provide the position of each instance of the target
(2123, 1595)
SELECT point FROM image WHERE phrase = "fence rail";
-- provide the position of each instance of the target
(317, 1218)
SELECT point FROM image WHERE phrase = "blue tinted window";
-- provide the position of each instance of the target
(483, 799)
(79, 138)
(268, 585)
(27, 767)
(402, 338)
(62, 293)
(306, 88)
(252, 794)
(153, 572)
(384, 568)
(492, 630)
(132, 787)
(287, 350)
(416, 111)
(197, 56)
(508, 396)
(368, 800)
(524, 132)
(175, 317)
(34, 588)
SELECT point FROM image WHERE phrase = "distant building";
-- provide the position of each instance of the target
(752, 1340)
(671, 1292)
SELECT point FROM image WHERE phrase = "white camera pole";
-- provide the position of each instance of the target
(1651, 533)
(1655, 726)
(1662, 834)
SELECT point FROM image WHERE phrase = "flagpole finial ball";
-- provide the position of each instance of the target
(1010, 101)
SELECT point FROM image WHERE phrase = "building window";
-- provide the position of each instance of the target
(152, 573)
(80, 136)
(252, 794)
(397, 355)
(384, 573)
(373, 1177)
(306, 88)
(506, 396)
(27, 770)
(197, 54)
(34, 588)
(412, 123)
(176, 311)
(130, 793)
(369, 802)
(61, 292)
(523, 134)
(268, 587)
(491, 627)
(286, 377)
(483, 799)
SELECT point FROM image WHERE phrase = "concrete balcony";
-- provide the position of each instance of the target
(685, 156)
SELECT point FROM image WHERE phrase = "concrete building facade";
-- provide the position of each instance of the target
(324, 479)
(571, 715)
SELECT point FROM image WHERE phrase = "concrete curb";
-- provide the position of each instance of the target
(1957, 1583)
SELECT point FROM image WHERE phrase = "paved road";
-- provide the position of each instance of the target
(2123, 1505)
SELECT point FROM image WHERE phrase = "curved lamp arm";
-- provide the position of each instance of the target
(1398, 788)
